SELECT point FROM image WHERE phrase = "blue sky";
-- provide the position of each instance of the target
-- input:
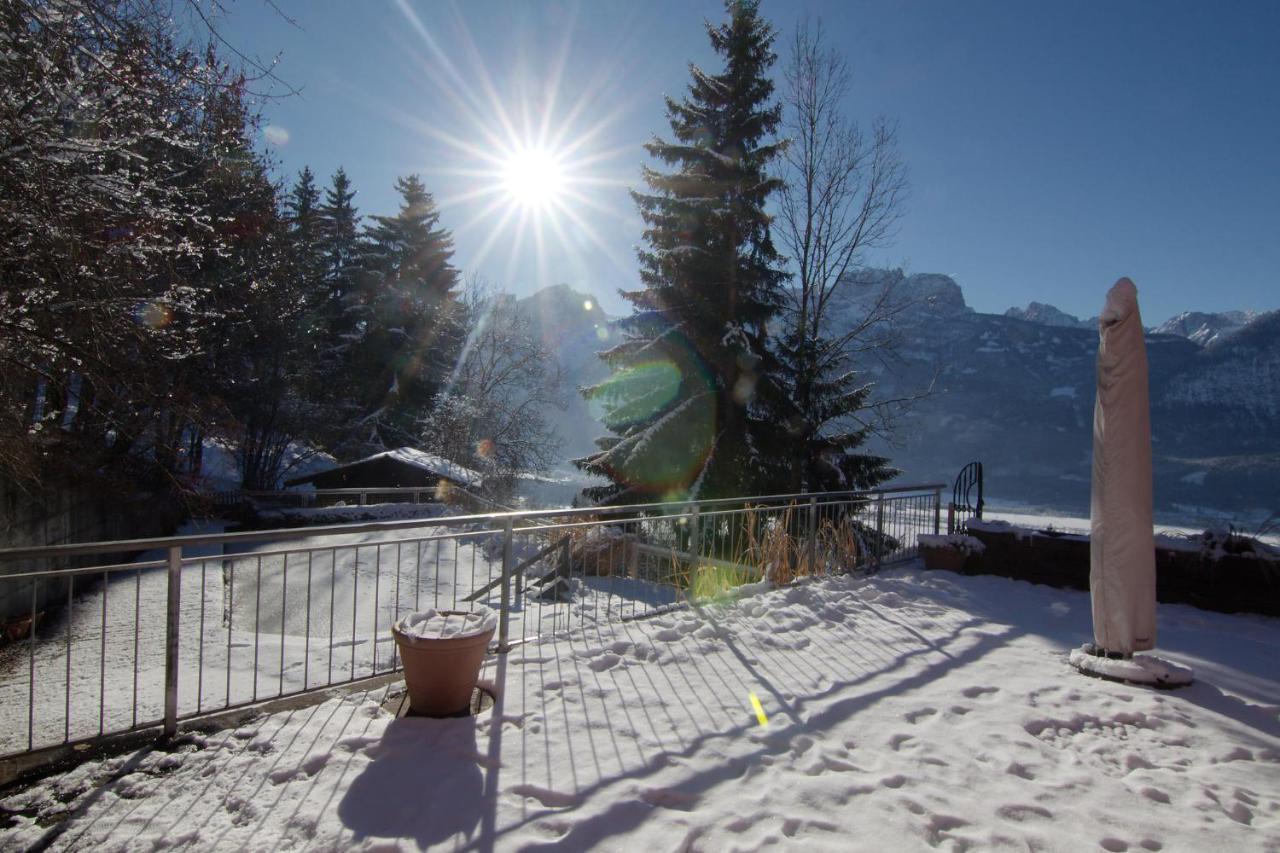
(1051, 147)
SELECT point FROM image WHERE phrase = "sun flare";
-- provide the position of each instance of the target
(533, 177)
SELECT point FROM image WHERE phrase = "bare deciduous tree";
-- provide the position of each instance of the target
(491, 415)
(844, 187)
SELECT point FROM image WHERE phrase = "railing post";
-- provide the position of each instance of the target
(695, 539)
(951, 518)
(504, 614)
(813, 535)
(937, 512)
(879, 529)
(171, 641)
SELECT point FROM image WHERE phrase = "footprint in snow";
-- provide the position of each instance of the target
(897, 742)
(1020, 770)
(975, 692)
(604, 662)
(545, 796)
(1019, 813)
(356, 743)
(669, 799)
(915, 716)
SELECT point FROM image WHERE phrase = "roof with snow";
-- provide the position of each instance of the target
(420, 460)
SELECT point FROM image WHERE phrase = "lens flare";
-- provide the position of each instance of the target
(672, 398)
(275, 135)
(154, 315)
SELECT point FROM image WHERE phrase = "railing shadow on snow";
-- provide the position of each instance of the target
(430, 782)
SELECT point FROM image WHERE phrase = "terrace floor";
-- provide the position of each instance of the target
(911, 710)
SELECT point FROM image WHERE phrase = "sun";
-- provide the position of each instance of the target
(531, 164)
(534, 178)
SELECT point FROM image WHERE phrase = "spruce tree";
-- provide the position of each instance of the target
(826, 428)
(340, 241)
(695, 394)
(405, 322)
(306, 253)
(340, 249)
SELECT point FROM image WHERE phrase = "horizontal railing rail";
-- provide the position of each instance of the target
(490, 518)
(202, 623)
(362, 495)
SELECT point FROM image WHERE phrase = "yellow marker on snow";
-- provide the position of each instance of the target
(760, 715)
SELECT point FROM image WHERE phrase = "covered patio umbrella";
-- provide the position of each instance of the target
(1122, 570)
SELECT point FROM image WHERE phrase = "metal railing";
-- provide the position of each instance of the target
(131, 634)
(362, 496)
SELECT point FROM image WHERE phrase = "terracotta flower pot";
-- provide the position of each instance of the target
(440, 672)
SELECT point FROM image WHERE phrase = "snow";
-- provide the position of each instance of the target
(434, 464)
(958, 541)
(432, 624)
(341, 513)
(907, 711)
(1167, 535)
(255, 624)
(430, 463)
(1139, 669)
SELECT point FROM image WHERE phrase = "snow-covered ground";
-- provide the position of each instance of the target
(253, 625)
(910, 710)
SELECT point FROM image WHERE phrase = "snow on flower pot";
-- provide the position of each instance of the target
(948, 552)
(442, 651)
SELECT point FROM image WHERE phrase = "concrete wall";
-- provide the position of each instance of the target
(59, 516)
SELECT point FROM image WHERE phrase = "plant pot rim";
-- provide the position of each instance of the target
(442, 643)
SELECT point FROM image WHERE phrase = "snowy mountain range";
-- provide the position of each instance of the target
(1202, 327)
(1016, 392)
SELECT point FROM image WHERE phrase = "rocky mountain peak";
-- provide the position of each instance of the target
(1206, 328)
(1048, 315)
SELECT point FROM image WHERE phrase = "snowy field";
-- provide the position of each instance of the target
(1182, 525)
(254, 625)
(910, 710)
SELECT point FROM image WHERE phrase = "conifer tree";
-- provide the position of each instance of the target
(306, 234)
(695, 395)
(404, 320)
(341, 246)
